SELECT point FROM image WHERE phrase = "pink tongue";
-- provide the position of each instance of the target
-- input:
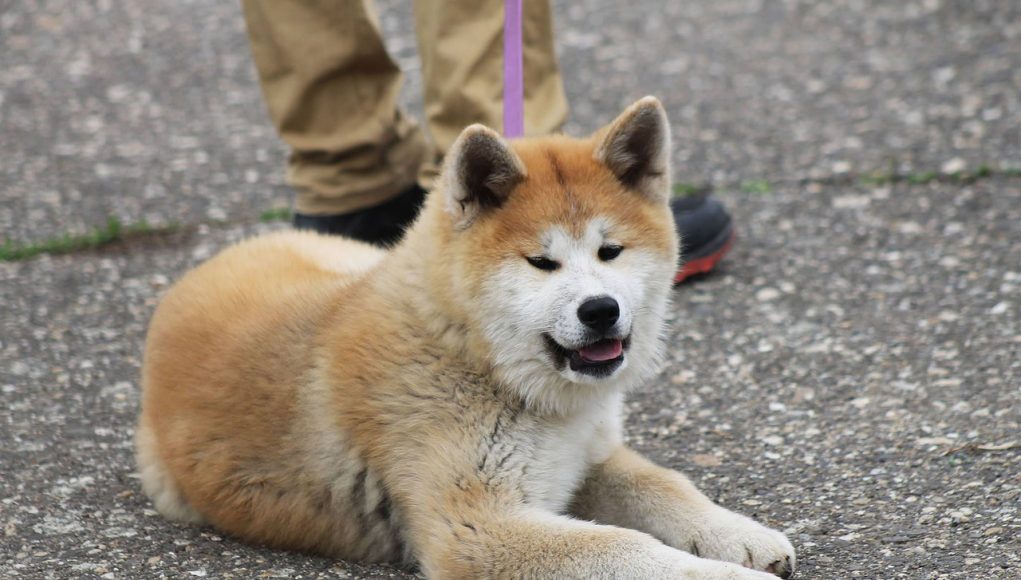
(603, 350)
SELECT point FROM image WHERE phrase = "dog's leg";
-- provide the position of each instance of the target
(630, 491)
(157, 481)
(542, 545)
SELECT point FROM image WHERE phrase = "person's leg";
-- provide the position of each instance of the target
(460, 43)
(332, 90)
(461, 46)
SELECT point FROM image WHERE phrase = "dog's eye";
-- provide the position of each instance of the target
(543, 263)
(607, 253)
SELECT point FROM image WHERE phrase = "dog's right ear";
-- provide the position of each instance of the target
(480, 172)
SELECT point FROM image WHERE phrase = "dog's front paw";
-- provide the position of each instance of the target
(721, 534)
(686, 566)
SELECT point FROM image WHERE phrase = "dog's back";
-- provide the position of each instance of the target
(227, 361)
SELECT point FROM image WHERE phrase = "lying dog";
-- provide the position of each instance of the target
(454, 402)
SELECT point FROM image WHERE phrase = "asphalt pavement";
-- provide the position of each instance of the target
(851, 374)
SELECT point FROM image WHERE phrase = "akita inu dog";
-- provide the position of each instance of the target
(454, 402)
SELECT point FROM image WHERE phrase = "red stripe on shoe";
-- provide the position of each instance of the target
(705, 263)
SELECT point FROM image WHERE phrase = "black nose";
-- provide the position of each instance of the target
(599, 314)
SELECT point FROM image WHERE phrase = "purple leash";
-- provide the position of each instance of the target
(513, 72)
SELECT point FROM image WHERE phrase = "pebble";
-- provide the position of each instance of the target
(953, 166)
(767, 294)
(703, 460)
(1000, 308)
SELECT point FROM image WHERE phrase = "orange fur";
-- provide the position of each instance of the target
(318, 394)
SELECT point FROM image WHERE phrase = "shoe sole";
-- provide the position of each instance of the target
(709, 257)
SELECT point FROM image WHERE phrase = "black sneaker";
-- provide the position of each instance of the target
(706, 234)
(382, 224)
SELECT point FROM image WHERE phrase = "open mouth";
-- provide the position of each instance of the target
(597, 359)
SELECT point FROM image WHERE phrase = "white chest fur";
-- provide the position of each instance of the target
(563, 451)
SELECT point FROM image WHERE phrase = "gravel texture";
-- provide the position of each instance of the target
(851, 375)
(150, 110)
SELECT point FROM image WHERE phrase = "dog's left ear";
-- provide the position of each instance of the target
(480, 172)
(636, 148)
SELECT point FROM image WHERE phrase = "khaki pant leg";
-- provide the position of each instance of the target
(461, 46)
(332, 90)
